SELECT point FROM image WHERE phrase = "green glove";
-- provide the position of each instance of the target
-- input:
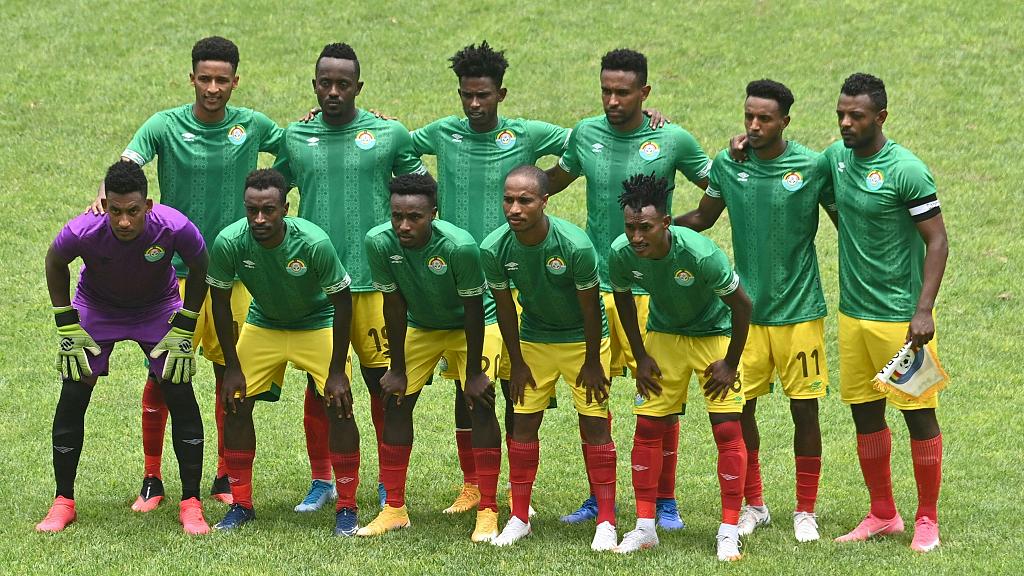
(72, 360)
(180, 365)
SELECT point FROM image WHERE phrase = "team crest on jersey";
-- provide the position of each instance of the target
(683, 277)
(437, 265)
(556, 265)
(296, 267)
(505, 139)
(874, 179)
(650, 150)
(365, 140)
(154, 253)
(237, 135)
(792, 181)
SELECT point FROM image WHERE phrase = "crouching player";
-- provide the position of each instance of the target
(301, 313)
(434, 304)
(693, 289)
(127, 291)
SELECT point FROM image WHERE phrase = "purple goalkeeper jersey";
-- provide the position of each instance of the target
(122, 276)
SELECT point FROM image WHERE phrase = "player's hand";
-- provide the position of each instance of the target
(479, 388)
(338, 393)
(381, 115)
(234, 385)
(921, 329)
(657, 118)
(592, 376)
(738, 148)
(721, 379)
(96, 207)
(309, 115)
(520, 377)
(393, 382)
(72, 344)
(648, 377)
(180, 364)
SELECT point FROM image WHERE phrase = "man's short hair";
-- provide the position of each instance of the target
(125, 177)
(645, 190)
(341, 51)
(530, 171)
(626, 60)
(861, 83)
(480, 62)
(217, 49)
(265, 179)
(413, 184)
(772, 90)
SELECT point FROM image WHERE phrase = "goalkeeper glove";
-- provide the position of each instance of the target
(72, 360)
(180, 364)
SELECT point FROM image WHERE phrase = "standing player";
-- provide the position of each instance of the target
(433, 284)
(773, 201)
(563, 332)
(692, 291)
(301, 313)
(204, 151)
(607, 149)
(892, 254)
(127, 291)
(341, 162)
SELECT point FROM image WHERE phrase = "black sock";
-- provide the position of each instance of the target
(68, 434)
(186, 436)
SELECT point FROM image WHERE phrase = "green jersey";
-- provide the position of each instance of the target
(548, 276)
(607, 157)
(289, 283)
(686, 286)
(773, 208)
(433, 279)
(881, 254)
(472, 166)
(342, 173)
(202, 167)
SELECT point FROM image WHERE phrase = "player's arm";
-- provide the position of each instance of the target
(709, 209)
(396, 321)
(224, 324)
(725, 372)
(648, 373)
(338, 389)
(195, 283)
(922, 325)
(73, 340)
(508, 324)
(477, 386)
(558, 179)
(827, 195)
(592, 374)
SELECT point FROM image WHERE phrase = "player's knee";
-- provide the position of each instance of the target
(922, 424)
(804, 412)
(594, 430)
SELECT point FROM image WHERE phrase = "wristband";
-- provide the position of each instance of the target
(65, 316)
(184, 320)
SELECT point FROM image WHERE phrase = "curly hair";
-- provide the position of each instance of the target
(772, 90)
(414, 184)
(267, 178)
(215, 48)
(479, 62)
(861, 83)
(125, 177)
(626, 60)
(341, 51)
(645, 190)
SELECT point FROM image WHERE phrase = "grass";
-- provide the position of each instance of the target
(82, 76)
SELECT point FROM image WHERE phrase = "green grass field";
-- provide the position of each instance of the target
(82, 76)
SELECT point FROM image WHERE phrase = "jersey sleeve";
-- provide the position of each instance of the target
(494, 272)
(146, 143)
(221, 273)
(550, 139)
(406, 161)
(570, 160)
(333, 276)
(282, 164)
(916, 189)
(691, 159)
(618, 273)
(188, 241)
(721, 277)
(469, 272)
(827, 190)
(273, 135)
(380, 274)
(423, 139)
(66, 244)
(584, 267)
(716, 176)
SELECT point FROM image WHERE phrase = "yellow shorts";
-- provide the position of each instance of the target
(864, 347)
(264, 353)
(680, 357)
(622, 355)
(504, 367)
(795, 351)
(369, 336)
(549, 361)
(205, 338)
(424, 348)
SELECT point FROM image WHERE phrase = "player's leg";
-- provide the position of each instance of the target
(926, 451)
(758, 372)
(154, 422)
(369, 337)
(469, 495)
(187, 439)
(316, 426)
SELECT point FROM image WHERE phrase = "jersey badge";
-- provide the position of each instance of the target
(556, 265)
(650, 150)
(154, 253)
(365, 140)
(437, 265)
(683, 277)
(396, 258)
(792, 181)
(874, 179)
(742, 177)
(505, 139)
(237, 135)
(597, 148)
(312, 141)
(296, 267)
(188, 137)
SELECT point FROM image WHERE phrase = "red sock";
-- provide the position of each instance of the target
(808, 471)
(346, 474)
(240, 475)
(752, 488)
(464, 442)
(927, 455)
(601, 462)
(732, 467)
(218, 416)
(394, 466)
(669, 458)
(377, 417)
(874, 451)
(488, 466)
(647, 460)
(314, 420)
(154, 422)
(523, 459)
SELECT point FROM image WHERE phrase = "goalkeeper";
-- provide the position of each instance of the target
(127, 291)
